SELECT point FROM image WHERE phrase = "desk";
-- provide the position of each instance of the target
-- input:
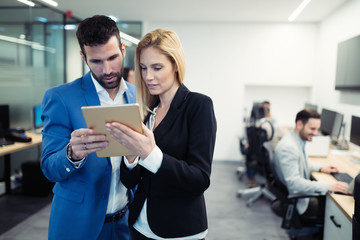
(17, 146)
(339, 208)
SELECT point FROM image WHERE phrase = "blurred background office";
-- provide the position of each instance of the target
(237, 52)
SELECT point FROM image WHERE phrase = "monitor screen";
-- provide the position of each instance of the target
(327, 121)
(37, 122)
(355, 130)
(331, 123)
(4, 116)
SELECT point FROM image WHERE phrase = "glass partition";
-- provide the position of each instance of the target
(31, 58)
(39, 50)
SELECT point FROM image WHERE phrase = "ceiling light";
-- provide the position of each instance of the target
(115, 19)
(29, 3)
(33, 45)
(70, 27)
(129, 38)
(41, 19)
(51, 2)
(298, 10)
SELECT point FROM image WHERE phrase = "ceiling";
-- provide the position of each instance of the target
(264, 11)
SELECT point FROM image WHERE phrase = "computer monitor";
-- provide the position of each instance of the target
(4, 124)
(311, 106)
(331, 123)
(4, 116)
(36, 113)
(355, 130)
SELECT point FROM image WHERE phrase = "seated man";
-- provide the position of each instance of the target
(293, 168)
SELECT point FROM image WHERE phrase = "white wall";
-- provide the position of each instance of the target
(74, 61)
(340, 26)
(238, 63)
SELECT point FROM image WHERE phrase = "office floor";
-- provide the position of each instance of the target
(26, 218)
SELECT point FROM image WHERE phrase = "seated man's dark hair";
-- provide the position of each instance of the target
(305, 114)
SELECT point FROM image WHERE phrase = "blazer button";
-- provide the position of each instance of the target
(108, 168)
(104, 197)
(67, 169)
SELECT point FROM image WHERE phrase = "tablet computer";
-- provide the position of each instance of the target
(97, 116)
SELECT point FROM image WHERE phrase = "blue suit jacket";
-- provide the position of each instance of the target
(80, 195)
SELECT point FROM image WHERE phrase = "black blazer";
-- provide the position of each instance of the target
(175, 200)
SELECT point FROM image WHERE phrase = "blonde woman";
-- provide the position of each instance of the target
(174, 154)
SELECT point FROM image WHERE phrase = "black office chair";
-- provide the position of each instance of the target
(257, 160)
(356, 216)
(285, 206)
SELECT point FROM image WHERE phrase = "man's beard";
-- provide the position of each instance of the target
(305, 137)
(112, 85)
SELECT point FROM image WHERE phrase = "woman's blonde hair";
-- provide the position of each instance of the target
(168, 43)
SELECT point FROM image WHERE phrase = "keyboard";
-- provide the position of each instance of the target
(343, 177)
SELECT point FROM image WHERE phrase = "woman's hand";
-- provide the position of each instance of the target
(140, 144)
(84, 142)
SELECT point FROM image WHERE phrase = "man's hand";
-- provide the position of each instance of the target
(83, 142)
(338, 187)
(329, 169)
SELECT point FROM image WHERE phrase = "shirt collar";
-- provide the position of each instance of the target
(100, 90)
(302, 142)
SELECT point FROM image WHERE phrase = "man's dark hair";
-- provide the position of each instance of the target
(96, 30)
(126, 73)
(305, 114)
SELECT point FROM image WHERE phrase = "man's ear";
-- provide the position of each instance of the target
(299, 124)
(123, 49)
(83, 56)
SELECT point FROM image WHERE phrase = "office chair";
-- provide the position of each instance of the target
(257, 158)
(257, 112)
(285, 206)
(241, 170)
(356, 216)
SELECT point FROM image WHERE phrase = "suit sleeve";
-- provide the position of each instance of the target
(130, 178)
(56, 136)
(193, 173)
(296, 183)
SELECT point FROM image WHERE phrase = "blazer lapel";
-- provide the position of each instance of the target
(172, 114)
(89, 92)
(303, 160)
(128, 95)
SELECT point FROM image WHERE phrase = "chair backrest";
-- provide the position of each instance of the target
(255, 156)
(277, 187)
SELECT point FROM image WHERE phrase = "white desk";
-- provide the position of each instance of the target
(339, 208)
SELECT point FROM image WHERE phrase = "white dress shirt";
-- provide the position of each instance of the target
(118, 192)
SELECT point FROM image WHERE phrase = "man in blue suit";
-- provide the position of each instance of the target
(89, 202)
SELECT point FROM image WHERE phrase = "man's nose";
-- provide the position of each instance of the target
(106, 67)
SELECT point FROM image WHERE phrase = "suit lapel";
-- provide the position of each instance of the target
(89, 91)
(172, 114)
(128, 95)
(303, 161)
(90, 94)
